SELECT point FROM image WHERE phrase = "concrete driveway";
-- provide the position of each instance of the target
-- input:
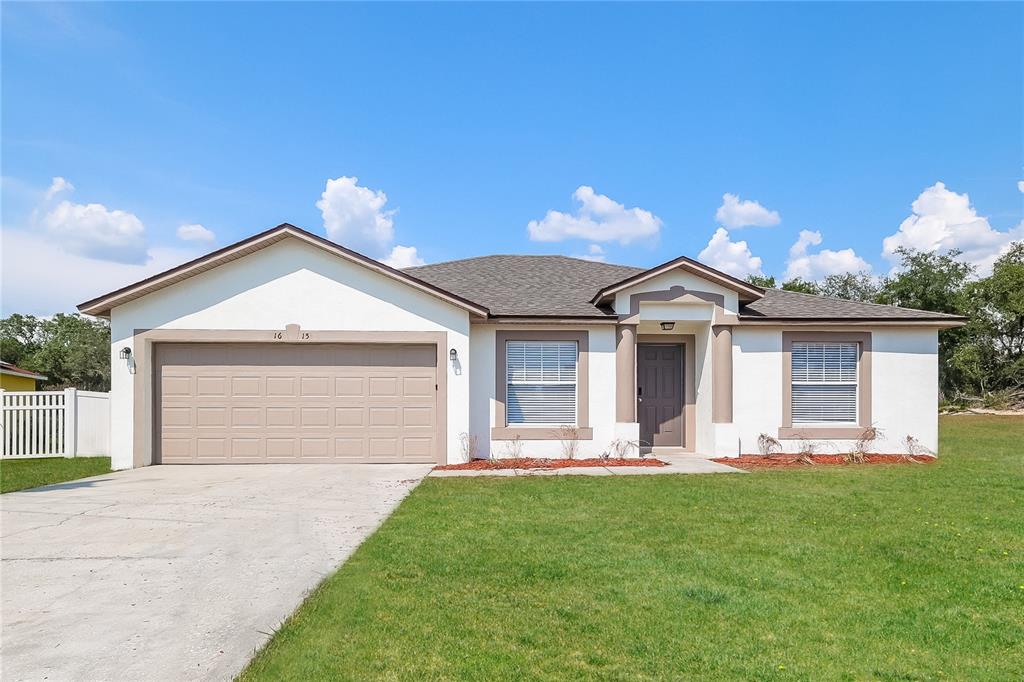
(175, 572)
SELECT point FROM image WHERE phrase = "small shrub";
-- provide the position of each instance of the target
(570, 437)
(513, 448)
(468, 443)
(865, 441)
(621, 447)
(768, 446)
(912, 447)
(806, 452)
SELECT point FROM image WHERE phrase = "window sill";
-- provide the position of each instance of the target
(838, 432)
(536, 433)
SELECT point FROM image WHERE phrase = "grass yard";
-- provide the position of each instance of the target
(890, 572)
(18, 474)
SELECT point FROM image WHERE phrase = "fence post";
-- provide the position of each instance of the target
(70, 422)
(3, 424)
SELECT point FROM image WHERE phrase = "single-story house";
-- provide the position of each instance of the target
(287, 347)
(14, 378)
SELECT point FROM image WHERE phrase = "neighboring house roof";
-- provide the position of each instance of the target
(101, 305)
(14, 370)
(528, 286)
(536, 286)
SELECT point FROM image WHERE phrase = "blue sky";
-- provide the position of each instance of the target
(474, 120)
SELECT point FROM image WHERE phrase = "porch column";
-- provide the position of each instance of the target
(625, 373)
(721, 370)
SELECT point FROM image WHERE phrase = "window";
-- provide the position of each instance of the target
(824, 383)
(540, 382)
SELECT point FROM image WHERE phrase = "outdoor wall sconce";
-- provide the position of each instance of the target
(453, 356)
(126, 353)
(668, 326)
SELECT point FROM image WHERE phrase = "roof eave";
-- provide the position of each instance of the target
(935, 322)
(102, 305)
(746, 291)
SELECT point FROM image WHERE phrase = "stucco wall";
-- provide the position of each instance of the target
(676, 278)
(601, 378)
(286, 283)
(904, 387)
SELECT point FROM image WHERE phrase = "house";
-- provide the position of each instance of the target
(14, 378)
(286, 347)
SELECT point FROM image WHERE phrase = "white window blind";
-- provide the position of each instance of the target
(824, 383)
(541, 382)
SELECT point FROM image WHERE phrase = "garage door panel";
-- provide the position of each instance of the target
(299, 403)
(315, 417)
(282, 416)
(349, 416)
(211, 447)
(417, 416)
(313, 387)
(177, 386)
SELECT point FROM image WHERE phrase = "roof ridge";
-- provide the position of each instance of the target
(525, 255)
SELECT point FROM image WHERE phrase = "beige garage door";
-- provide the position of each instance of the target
(248, 403)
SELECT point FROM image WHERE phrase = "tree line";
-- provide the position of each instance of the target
(979, 363)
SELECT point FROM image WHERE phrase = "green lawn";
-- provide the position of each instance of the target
(32, 473)
(900, 572)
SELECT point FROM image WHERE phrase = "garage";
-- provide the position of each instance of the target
(239, 403)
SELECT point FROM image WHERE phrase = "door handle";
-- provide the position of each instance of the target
(640, 394)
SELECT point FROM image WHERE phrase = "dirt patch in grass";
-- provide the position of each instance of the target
(543, 463)
(783, 461)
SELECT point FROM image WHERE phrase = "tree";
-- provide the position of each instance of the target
(71, 350)
(800, 285)
(935, 282)
(990, 355)
(763, 281)
(927, 281)
(858, 286)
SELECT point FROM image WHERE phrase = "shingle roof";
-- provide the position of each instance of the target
(528, 286)
(780, 304)
(559, 286)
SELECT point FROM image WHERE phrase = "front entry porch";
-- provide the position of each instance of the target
(674, 381)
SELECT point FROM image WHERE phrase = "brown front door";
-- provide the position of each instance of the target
(659, 387)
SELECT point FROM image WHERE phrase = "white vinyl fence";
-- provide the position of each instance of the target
(64, 423)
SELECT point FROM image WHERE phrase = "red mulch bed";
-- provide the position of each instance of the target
(542, 463)
(783, 461)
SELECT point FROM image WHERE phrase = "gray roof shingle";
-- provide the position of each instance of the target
(529, 286)
(780, 304)
(559, 286)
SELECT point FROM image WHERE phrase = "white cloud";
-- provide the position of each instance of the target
(943, 220)
(735, 213)
(403, 257)
(598, 219)
(728, 256)
(195, 233)
(595, 253)
(355, 216)
(1020, 185)
(38, 279)
(58, 186)
(95, 231)
(815, 266)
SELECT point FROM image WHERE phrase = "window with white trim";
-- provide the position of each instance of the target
(824, 383)
(540, 383)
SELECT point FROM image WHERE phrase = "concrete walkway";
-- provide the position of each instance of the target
(677, 464)
(175, 572)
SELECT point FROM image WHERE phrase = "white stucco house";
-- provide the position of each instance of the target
(286, 347)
